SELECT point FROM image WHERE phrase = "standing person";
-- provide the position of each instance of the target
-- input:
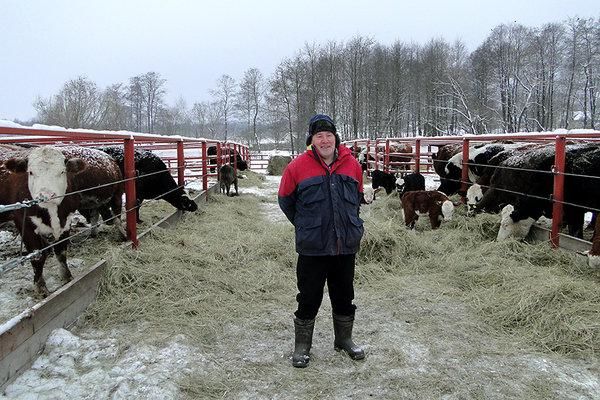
(319, 193)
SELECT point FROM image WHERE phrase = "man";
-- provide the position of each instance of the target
(319, 193)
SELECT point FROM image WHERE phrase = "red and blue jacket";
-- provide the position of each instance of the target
(322, 202)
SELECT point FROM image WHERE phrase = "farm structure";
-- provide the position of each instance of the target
(164, 148)
(427, 158)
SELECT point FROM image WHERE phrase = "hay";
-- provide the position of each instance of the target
(277, 164)
(225, 278)
(187, 279)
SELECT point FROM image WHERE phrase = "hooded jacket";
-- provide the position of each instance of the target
(323, 203)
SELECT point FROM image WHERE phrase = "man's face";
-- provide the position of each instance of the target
(324, 143)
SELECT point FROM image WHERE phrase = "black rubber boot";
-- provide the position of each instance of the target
(342, 327)
(304, 333)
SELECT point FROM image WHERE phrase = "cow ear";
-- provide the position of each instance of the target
(74, 165)
(16, 164)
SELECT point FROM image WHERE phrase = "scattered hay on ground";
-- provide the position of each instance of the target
(447, 312)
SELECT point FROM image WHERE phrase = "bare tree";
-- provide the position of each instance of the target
(250, 98)
(153, 92)
(77, 105)
(223, 95)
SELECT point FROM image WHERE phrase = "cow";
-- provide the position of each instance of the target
(410, 182)
(240, 163)
(226, 178)
(41, 172)
(368, 195)
(435, 204)
(384, 180)
(100, 187)
(525, 181)
(479, 156)
(154, 180)
(441, 157)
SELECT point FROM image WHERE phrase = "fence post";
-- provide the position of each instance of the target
(180, 164)
(418, 156)
(386, 156)
(465, 168)
(130, 195)
(558, 196)
(204, 169)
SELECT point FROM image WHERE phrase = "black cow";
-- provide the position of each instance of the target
(410, 183)
(384, 180)
(479, 155)
(150, 184)
(529, 192)
(241, 165)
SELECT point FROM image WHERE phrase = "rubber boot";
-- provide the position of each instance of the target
(342, 328)
(304, 333)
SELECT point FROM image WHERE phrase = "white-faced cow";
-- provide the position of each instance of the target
(31, 174)
(426, 202)
(479, 157)
(154, 180)
(527, 184)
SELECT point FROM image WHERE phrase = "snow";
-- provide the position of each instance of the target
(99, 368)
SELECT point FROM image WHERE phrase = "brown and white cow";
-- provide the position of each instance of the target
(426, 202)
(99, 185)
(32, 174)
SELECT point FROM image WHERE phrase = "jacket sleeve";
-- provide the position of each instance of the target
(287, 195)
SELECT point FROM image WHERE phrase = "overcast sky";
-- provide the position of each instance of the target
(44, 43)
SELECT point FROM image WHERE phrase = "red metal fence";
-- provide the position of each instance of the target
(185, 157)
(378, 156)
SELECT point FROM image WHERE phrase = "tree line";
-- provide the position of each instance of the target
(519, 79)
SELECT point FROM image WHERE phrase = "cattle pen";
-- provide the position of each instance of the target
(40, 315)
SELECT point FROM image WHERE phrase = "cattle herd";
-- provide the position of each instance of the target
(515, 180)
(56, 182)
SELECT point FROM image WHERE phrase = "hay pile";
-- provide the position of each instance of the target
(277, 164)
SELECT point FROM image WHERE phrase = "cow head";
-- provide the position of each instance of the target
(509, 228)
(47, 171)
(368, 195)
(474, 196)
(400, 184)
(447, 210)
(185, 203)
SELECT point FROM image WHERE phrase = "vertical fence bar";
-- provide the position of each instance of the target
(465, 169)
(376, 153)
(418, 156)
(367, 156)
(219, 157)
(180, 164)
(204, 168)
(130, 195)
(386, 156)
(559, 189)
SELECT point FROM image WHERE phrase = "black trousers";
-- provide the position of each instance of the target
(312, 272)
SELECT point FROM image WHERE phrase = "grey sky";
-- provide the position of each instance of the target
(44, 43)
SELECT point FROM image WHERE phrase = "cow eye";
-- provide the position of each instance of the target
(30, 173)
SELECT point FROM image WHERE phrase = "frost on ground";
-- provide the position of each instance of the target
(94, 366)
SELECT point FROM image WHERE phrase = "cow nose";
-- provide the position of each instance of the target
(47, 194)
